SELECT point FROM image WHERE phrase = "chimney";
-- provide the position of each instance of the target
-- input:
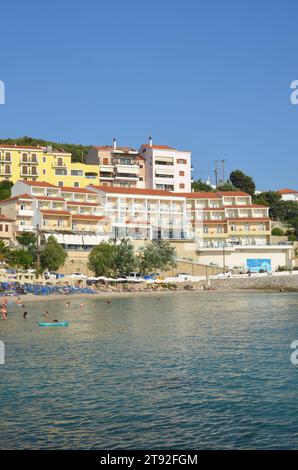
(150, 141)
(114, 144)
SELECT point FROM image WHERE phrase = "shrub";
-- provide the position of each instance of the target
(292, 237)
(277, 232)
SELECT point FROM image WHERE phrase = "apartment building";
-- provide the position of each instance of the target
(145, 214)
(119, 166)
(288, 194)
(7, 227)
(44, 164)
(166, 168)
(228, 218)
(74, 215)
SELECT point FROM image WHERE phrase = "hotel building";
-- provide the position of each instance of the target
(118, 166)
(166, 168)
(44, 164)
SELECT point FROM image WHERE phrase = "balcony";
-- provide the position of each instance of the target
(28, 172)
(127, 169)
(29, 161)
(126, 177)
(26, 212)
(26, 228)
(59, 165)
(4, 159)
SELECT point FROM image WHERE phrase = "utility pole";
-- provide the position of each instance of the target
(37, 249)
(216, 172)
(223, 169)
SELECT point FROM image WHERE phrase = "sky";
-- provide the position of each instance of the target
(209, 76)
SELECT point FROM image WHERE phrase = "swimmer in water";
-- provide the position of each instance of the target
(81, 305)
(25, 315)
(46, 314)
(67, 304)
(108, 302)
(19, 302)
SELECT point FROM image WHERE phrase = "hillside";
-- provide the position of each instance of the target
(78, 151)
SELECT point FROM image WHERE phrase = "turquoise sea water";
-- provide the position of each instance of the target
(181, 370)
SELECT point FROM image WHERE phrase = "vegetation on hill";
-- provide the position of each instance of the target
(78, 151)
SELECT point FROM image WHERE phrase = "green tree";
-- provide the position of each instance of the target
(4, 253)
(243, 182)
(125, 260)
(20, 258)
(157, 256)
(227, 186)
(277, 232)
(52, 255)
(101, 259)
(5, 189)
(77, 151)
(26, 239)
(199, 185)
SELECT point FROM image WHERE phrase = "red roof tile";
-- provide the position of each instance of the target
(42, 184)
(136, 191)
(54, 212)
(70, 189)
(20, 196)
(88, 216)
(287, 191)
(3, 218)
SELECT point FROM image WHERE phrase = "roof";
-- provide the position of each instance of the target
(15, 146)
(54, 212)
(19, 196)
(136, 191)
(201, 195)
(70, 189)
(213, 195)
(161, 147)
(287, 191)
(3, 218)
(42, 184)
(233, 193)
(111, 147)
(81, 203)
(48, 198)
(88, 216)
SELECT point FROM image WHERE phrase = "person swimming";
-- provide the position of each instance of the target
(25, 315)
(108, 302)
(67, 304)
(46, 314)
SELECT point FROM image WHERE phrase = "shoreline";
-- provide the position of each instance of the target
(113, 294)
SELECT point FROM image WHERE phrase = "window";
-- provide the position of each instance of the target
(105, 161)
(45, 222)
(61, 172)
(246, 227)
(6, 228)
(76, 184)
(7, 169)
(181, 161)
(205, 229)
(25, 170)
(76, 173)
(60, 162)
(43, 172)
(60, 183)
(34, 170)
(25, 157)
(1, 228)
(181, 185)
(219, 229)
(233, 228)
(34, 157)
(181, 173)
(7, 156)
(44, 159)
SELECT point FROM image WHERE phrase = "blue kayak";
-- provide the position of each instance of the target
(55, 323)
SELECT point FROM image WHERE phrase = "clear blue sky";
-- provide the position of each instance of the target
(210, 76)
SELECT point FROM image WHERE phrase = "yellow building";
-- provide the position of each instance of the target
(44, 164)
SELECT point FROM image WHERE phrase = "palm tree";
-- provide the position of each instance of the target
(4, 252)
